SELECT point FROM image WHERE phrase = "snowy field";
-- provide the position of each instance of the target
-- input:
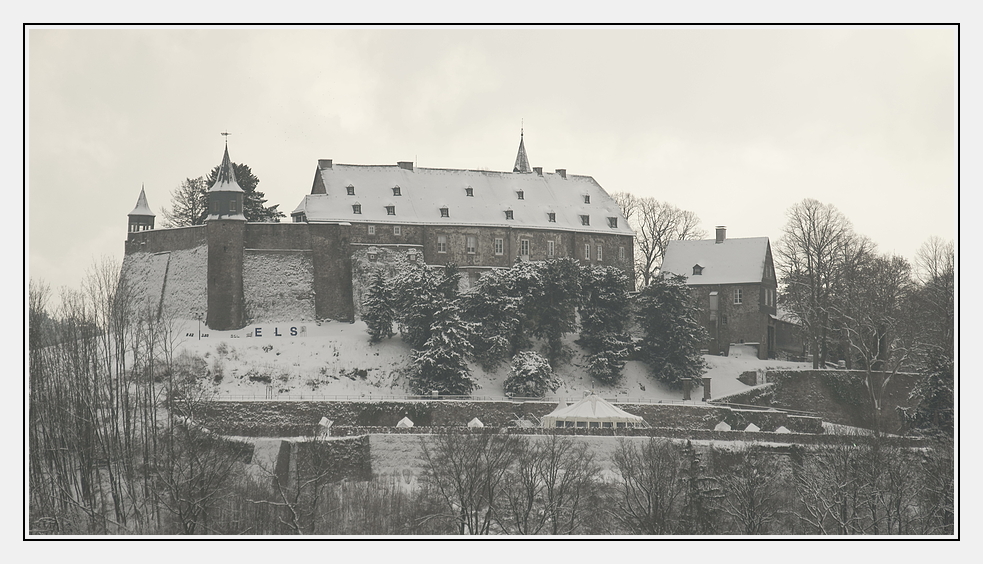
(305, 360)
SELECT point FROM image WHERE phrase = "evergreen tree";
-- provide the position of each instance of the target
(253, 201)
(934, 412)
(604, 315)
(441, 365)
(377, 310)
(419, 294)
(552, 305)
(672, 335)
(498, 316)
(531, 376)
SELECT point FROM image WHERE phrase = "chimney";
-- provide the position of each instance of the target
(407, 165)
(538, 170)
(721, 233)
(324, 163)
(562, 172)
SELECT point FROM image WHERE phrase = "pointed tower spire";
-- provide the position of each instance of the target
(141, 218)
(226, 179)
(521, 160)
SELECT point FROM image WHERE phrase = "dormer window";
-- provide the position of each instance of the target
(469, 191)
(586, 198)
(351, 190)
(357, 208)
(390, 210)
(613, 222)
(585, 220)
(551, 216)
(396, 191)
(444, 212)
(520, 194)
(508, 214)
(697, 270)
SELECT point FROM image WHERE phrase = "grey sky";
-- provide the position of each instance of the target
(734, 124)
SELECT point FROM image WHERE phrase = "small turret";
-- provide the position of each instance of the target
(225, 197)
(141, 218)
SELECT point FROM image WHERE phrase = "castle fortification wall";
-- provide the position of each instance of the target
(278, 285)
(172, 283)
(164, 240)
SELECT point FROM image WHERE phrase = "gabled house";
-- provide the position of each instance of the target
(734, 284)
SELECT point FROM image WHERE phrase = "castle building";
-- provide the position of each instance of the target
(362, 219)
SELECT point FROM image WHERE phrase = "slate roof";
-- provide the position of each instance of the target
(734, 261)
(226, 180)
(521, 159)
(142, 208)
(424, 191)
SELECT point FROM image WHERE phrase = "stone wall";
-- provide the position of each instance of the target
(278, 285)
(161, 240)
(226, 300)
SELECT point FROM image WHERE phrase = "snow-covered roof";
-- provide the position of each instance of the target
(226, 180)
(590, 408)
(142, 208)
(785, 315)
(733, 261)
(424, 191)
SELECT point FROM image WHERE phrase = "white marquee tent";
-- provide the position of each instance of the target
(591, 412)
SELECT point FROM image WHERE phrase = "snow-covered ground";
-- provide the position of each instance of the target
(305, 360)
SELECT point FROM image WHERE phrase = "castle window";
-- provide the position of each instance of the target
(372, 256)
(397, 230)
(508, 214)
(390, 210)
(469, 191)
(524, 247)
(396, 191)
(613, 222)
(232, 205)
(351, 190)
(372, 230)
(697, 270)
(442, 243)
(621, 253)
(587, 251)
(550, 248)
(520, 194)
(499, 246)
(472, 245)
(585, 220)
(444, 212)
(586, 198)
(356, 208)
(738, 296)
(600, 253)
(551, 216)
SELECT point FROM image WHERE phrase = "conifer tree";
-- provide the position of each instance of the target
(604, 313)
(441, 365)
(531, 376)
(672, 335)
(377, 310)
(553, 304)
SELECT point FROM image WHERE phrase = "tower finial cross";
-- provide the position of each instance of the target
(226, 135)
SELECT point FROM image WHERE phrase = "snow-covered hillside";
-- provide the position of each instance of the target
(305, 359)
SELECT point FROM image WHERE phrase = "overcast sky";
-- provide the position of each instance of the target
(736, 125)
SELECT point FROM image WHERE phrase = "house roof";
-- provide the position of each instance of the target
(142, 208)
(423, 191)
(733, 261)
(590, 408)
(226, 179)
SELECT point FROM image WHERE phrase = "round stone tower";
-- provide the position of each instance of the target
(226, 231)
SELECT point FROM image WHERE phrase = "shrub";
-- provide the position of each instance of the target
(530, 376)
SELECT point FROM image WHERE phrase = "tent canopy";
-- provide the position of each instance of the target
(404, 422)
(591, 409)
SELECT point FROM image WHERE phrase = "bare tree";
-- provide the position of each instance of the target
(753, 492)
(650, 488)
(656, 224)
(467, 470)
(816, 243)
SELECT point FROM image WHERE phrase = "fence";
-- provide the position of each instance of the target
(373, 397)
